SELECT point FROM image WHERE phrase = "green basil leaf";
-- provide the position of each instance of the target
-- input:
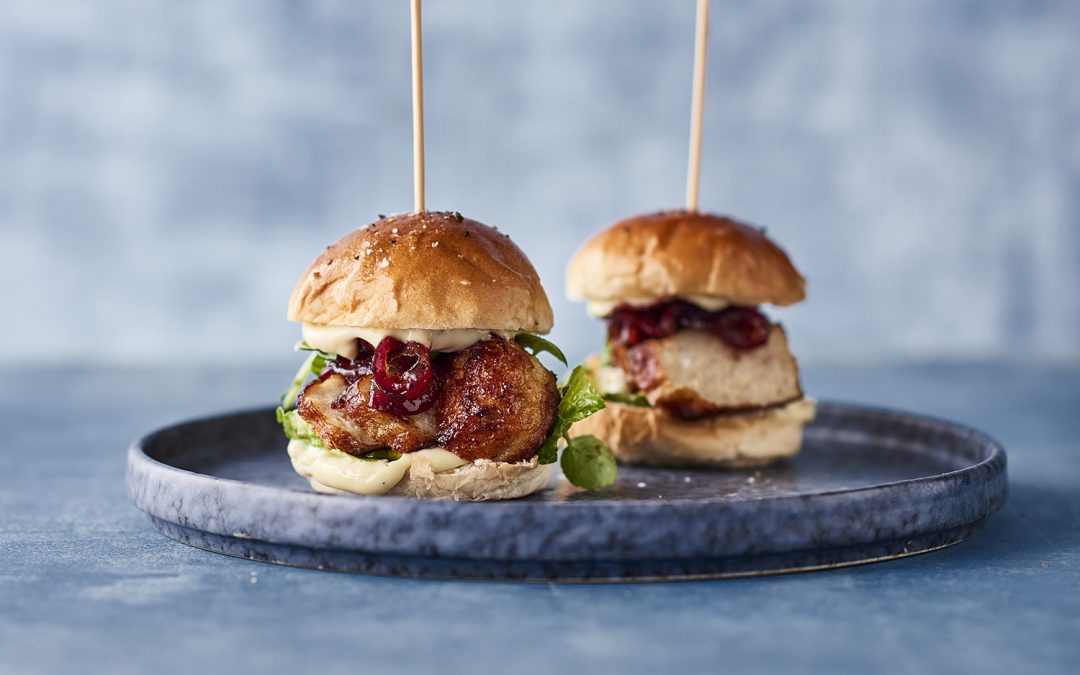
(587, 463)
(534, 344)
(636, 400)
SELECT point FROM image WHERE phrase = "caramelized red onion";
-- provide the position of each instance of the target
(404, 378)
(396, 405)
(402, 369)
(355, 368)
(739, 327)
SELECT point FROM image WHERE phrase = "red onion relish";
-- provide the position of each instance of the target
(404, 382)
(404, 379)
(352, 369)
(739, 327)
(396, 405)
(402, 369)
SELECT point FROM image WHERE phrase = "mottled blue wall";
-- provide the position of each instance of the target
(167, 169)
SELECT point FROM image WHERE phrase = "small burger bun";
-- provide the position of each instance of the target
(481, 480)
(641, 435)
(683, 254)
(429, 270)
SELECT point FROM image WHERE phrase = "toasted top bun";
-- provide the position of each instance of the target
(680, 253)
(429, 270)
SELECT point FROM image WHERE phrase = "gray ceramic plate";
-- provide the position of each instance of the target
(869, 485)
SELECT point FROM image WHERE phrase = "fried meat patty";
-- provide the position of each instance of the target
(496, 402)
(339, 414)
(695, 374)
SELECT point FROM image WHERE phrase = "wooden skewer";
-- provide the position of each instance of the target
(697, 104)
(418, 108)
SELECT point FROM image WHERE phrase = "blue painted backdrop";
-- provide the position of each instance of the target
(167, 169)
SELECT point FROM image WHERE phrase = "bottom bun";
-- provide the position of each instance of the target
(639, 435)
(481, 480)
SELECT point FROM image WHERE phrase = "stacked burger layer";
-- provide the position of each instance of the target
(423, 332)
(693, 372)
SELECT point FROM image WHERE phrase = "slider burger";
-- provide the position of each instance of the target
(694, 373)
(423, 332)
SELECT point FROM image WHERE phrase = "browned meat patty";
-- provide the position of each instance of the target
(340, 416)
(497, 403)
(694, 374)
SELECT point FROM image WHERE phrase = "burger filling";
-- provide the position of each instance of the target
(490, 400)
(344, 340)
(396, 403)
(695, 362)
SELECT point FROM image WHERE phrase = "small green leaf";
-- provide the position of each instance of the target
(296, 427)
(384, 453)
(636, 400)
(288, 399)
(605, 355)
(587, 463)
(579, 400)
(373, 456)
(534, 344)
(549, 451)
(305, 347)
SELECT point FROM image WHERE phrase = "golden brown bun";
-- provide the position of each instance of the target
(429, 270)
(640, 435)
(482, 480)
(679, 253)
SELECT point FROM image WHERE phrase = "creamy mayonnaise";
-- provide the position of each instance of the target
(335, 469)
(341, 340)
(709, 303)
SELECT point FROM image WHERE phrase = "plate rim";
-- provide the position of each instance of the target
(997, 453)
(990, 471)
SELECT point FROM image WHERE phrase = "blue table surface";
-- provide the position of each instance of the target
(87, 586)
